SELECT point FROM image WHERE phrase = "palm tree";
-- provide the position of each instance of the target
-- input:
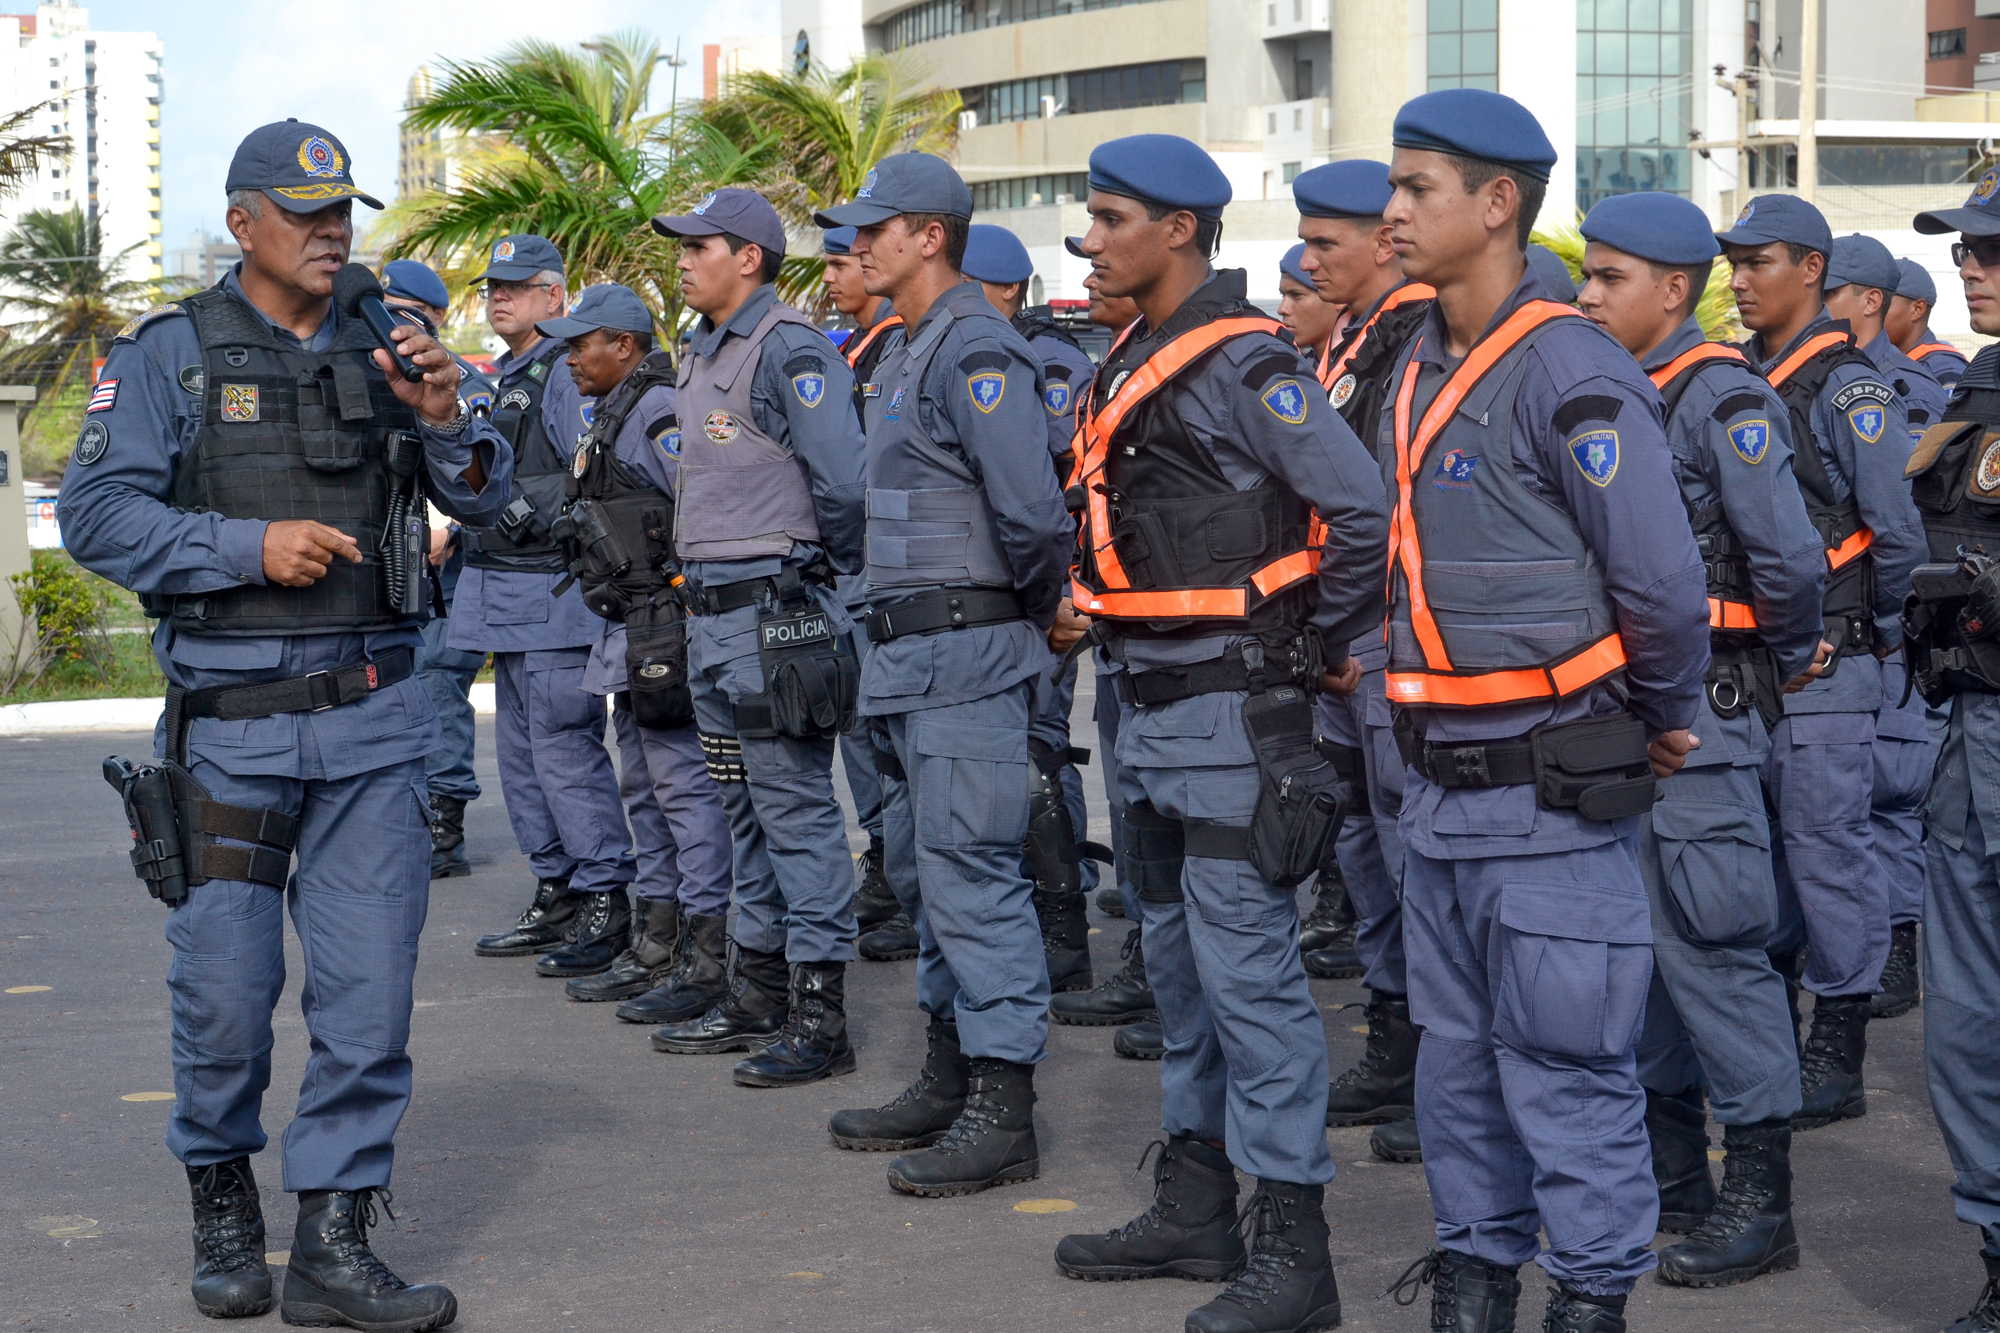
(73, 297)
(22, 156)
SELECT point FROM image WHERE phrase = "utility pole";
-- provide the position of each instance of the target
(1808, 99)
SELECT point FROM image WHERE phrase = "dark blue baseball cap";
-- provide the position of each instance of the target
(1553, 272)
(837, 240)
(1289, 265)
(1979, 216)
(1915, 282)
(414, 281)
(994, 254)
(1652, 225)
(302, 167)
(1472, 122)
(1074, 244)
(739, 212)
(520, 257)
(1162, 169)
(607, 305)
(1864, 261)
(1356, 188)
(1780, 217)
(904, 183)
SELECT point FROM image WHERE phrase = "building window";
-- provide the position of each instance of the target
(1270, 122)
(1028, 191)
(948, 18)
(1464, 44)
(1291, 171)
(1948, 45)
(1114, 89)
(1634, 96)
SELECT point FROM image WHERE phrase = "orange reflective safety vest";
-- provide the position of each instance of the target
(1331, 369)
(1236, 550)
(1922, 350)
(861, 342)
(1506, 558)
(1711, 528)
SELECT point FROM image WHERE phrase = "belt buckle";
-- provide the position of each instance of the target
(312, 680)
(1468, 766)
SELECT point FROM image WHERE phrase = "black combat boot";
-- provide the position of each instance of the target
(230, 1278)
(1143, 1040)
(747, 1018)
(1190, 1230)
(1984, 1316)
(1383, 1086)
(1571, 1311)
(1902, 989)
(923, 1112)
(874, 901)
(1125, 997)
(646, 960)
(549, 921)
(1065, 939)
(1287, 1283)
(894, 941)
(1397, 1141)
(1468, 1294)
(991, 1143)
(1750, 1231)
(1111, 902)
(448, 857)
(1830, 1070)
(1677, 1123)
(604, 928)
(812, 1044)
(695, 983)
(1332, 915)
(334, 1279)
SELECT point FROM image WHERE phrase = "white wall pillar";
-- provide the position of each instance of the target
(1538, 70)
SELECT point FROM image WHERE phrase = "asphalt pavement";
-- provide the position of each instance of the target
(558, 1174)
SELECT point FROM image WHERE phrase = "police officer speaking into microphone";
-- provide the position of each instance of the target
(254, 467)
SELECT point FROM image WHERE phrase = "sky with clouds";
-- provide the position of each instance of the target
(343, 64)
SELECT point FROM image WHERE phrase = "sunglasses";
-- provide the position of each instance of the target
(511, 290)
(1984, 252)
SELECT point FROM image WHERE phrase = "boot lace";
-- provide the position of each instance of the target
(226, 1213)
(1822, 1058)
(802, 1018)
(1736, 1203)
(1134, 970)
(1985, 1313)
(1153, 1217)
(1260, 1224)
(347, 1233)
(1407, 1288)
(926, 1079)
(981, 1114)
(1374, 1054)
(1896, 975)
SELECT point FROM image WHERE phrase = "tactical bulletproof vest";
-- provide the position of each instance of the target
(1494, 595)
(1727, 565)
(742, 494)
(1034, 322)
(929, 525)
(1357, 371)
(289, 434)
(1955, 471)
(1170, 548)
(539, 473)
(618, 534)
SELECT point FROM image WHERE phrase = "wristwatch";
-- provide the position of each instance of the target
(457, 424)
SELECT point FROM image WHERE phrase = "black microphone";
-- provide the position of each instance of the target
(358, 293)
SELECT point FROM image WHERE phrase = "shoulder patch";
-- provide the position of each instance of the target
(986, 387)
(666, 433)
(984, 359)
(809, 386)
(91, 442)
(805, 363)
(192, 378)
(1751, 440)
(1263, 370)
(138, 322)
(1867, 421)
(1286, 400)
(1596, 455)
(1735, 405)
(1863, 391)
(103, 397)
(1056, 370)
(1056, 397)
(539, 371)
(1589, 407)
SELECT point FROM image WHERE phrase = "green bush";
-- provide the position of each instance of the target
(62, 623)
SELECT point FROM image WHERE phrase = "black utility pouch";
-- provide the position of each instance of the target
(1597, 767)
(656, 663)
(812, 681)
(1300, 796)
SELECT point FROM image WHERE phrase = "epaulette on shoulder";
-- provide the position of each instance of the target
(138, 323)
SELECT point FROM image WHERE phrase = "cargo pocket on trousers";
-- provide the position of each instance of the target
(973, 787)
(1575, 966)
(1715, 861)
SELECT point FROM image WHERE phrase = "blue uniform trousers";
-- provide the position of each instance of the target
(794, 879)
(1369, 848)
(857, 756)
(1246, 1055)
(447, 674)
(357, 899)
(1906, 749)
(1717, 1015)
(899, 831)
(966, 805)
(561, 790)
(1055, 698)
(680, 830)
(1962, 1015)
(1105, 712)
(1820, 780)
(1528, 976)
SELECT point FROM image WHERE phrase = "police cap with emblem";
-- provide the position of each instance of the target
(1289, 265)
(837, 240)
(1074, 244)
(520, 257)
(732, 210)
(301, 167)
(1356, 188)
(1161, 169)
(1652, 225)
(994, 254)
(1864, 261)
(1771, 218)
(1471, 122)
(413, 280)
(1978, 216)
(905, 183)
(1914, 281)
(608, 305)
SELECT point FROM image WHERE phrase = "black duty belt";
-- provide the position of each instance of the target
(713, 601)
(312, 693)
(945, 610)
(1166, 685)
(1508, 763)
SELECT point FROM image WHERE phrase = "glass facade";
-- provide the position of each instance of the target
(1463, 44)
(1634, 96)
(1115, 89)
(948, 18)
(1027, 191)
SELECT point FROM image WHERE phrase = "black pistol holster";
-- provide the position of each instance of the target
(812, 681)
(175, 824)
(1951, 627)
(1055, 848)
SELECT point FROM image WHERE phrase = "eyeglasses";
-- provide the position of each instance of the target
(1984, 252)
(510, 290)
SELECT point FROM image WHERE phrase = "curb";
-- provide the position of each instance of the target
(74, 715)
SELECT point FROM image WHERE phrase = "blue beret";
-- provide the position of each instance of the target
(1289, 265)
(1979, 217)
(994, 254)
(1162, 169)
(1780, 217)
(1553, 272)
(1356, 188)
(1915, 281)
(1864, 261)
(414, 281)
(1663, 228)
(837, 240)
(1472, 122)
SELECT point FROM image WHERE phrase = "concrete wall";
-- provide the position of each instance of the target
(1371, 74)
(1871, 58)
(1141, 34)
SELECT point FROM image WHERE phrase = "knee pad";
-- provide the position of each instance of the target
(1154, 847)
(725, 757)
